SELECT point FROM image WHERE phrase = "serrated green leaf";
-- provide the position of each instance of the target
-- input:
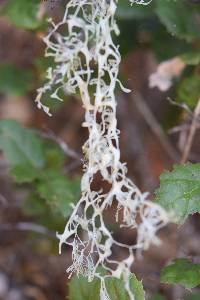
(191, 58)
(15, 81)
(34, 206)
(54, 156)
(179, 191)
(23, 13)
(116, 288)
(25, 173)
(180, 18)
(20, 145)
(183, 272)
(81, 289)
(189, 91)
(59, 191)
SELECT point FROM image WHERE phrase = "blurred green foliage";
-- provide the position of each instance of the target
(167, 28)
(157, 297)
(188, 90)
(39, 163)
(179, 191)
(20, 145)
(125, 12)
(81, 289)
(180, 18)
(58, 191)
(191, 58)
(23, 13)
(14, 80)
(183, 272)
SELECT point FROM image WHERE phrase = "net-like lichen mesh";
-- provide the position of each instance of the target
(87, 62)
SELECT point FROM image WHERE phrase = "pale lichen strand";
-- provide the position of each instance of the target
(143, 2)
(88, 60)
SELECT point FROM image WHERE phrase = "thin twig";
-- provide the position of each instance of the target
(135, 145)
(154, 125)
(180, 105)
(73, 165)
(183, 127)
(63, 145)
(191, 134)
(3, 200)
(4, 164)
(179, 128)
(26, 226)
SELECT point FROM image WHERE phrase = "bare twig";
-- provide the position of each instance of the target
(73, 165)
(3, 164)
(186, 108)
(180, 105)
(63, 145)
(180, 128)
(135, 145)
(3, 200)
(26, 226)
(154, 125)
(191, 134)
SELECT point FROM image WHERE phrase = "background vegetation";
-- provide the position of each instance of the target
(40, 159)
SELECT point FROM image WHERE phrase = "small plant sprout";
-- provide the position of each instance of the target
(87, 62)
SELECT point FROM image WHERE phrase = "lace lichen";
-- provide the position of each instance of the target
(143, 2)
(87, 62)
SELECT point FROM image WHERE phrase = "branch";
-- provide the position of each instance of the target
(180, 128)
(26, 226)
(62, 144)
(3, 200)
(135, 145)
(154, 125)
(191, 134)
(180, 105)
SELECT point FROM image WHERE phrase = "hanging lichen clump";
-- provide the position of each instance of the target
(87, 63)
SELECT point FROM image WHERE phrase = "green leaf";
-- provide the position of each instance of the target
(29, 156)
(183, 272)
(191, 58)
(54, 156)
(180, 18)
(33, 205)
(23, 13)
(157, 297)
(15, 81)
(189, 91)
(25, 173)
(179, 191)
(127, 12)
(21, 146)
(81, 289)
(59, 191)
(116, 288)
(42, 63)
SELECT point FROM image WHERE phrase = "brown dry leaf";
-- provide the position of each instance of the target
(166, 71)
